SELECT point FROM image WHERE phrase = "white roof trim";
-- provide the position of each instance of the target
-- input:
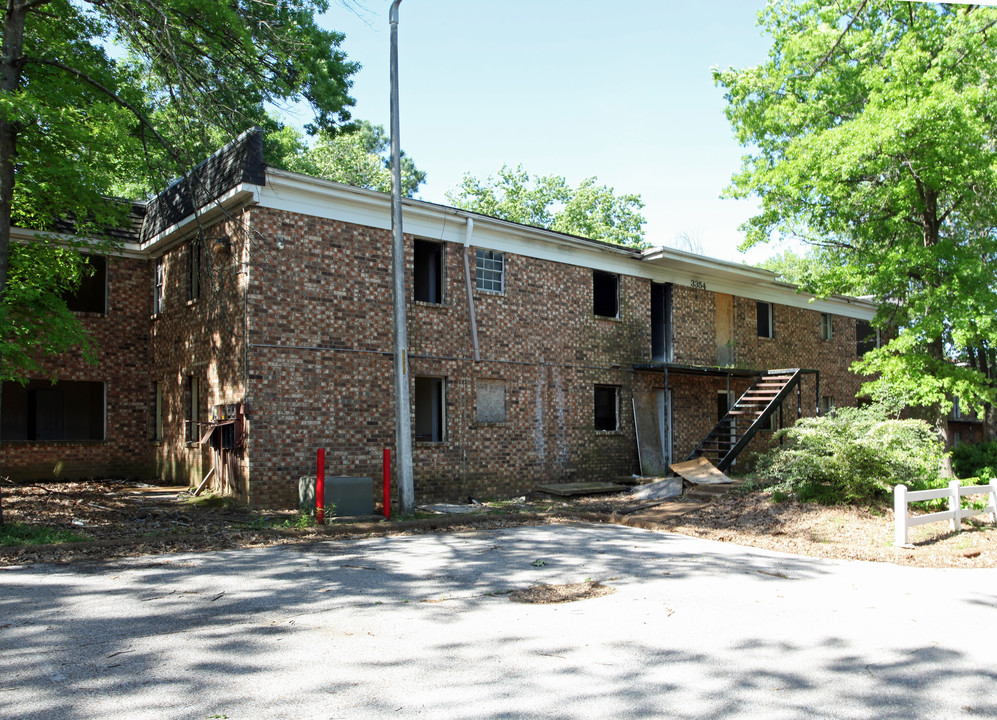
(119, 249)
(238, 196)
(291, 192)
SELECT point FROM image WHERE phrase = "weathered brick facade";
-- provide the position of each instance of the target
(122, 340)
(293, 319)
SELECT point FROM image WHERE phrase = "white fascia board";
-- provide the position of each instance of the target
(237, 197)
(120, 249)
(291, 192)
(722, 276)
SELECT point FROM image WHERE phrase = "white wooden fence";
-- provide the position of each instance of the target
(955, 514)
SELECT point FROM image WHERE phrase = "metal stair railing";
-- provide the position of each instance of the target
(759, 402)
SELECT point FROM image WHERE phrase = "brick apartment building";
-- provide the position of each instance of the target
(244, 331)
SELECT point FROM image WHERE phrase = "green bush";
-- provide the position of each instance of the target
(976, 460)
(852, 455)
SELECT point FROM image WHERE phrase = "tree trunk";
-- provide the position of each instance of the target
(11, 61)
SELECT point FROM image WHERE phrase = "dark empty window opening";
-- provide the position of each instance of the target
(866, 337)
(605, 294)
(765, 324)
(91, 295)
(430, 415)
(67, 410)
(661, 322)
(428, 271)
(607, 407)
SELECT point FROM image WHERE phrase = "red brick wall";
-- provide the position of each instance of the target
(205, 338)
(326, 298)
(122, 340)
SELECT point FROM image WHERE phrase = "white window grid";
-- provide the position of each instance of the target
(489, 270)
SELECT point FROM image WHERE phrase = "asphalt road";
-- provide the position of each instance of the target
(423, 626)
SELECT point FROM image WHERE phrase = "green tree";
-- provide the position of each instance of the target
(75, 124)
(358, 157)
(548, 201)
(871, 130)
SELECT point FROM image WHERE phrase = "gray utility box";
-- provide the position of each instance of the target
(350, 495)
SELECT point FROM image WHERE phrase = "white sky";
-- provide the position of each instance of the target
(570, 87)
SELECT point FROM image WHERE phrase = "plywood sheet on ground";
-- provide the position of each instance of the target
(581, 488)
(700, 472)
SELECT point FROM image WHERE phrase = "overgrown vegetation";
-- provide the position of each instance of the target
(976, 461)
(852, 455)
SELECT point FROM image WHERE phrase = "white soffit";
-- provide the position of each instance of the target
(294, 193)
(119, 249)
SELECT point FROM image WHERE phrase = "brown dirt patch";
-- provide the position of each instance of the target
(544, 594)
(847, 533)
(124, 520)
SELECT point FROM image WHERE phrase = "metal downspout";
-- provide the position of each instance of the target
(470, 294)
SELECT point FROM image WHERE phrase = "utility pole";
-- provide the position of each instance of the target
(403, 422)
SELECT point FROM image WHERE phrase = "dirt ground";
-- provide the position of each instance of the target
(119, 519)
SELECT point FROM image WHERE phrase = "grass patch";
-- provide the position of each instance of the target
(12, 534)
(215, 502)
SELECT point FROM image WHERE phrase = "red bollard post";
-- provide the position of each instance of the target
(320, 489)
(387, 484)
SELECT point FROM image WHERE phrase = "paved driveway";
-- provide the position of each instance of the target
(421, 627)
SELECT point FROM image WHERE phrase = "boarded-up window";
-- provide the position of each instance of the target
(607, 407)
(490, 401)
(68, 410)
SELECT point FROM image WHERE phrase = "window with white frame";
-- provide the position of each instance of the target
(157, 287)
(489, 270)
(826, 326)
(194, 269)
(765, 320)
(826, 404)
(192, 408)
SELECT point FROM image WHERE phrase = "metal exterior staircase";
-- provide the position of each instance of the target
(751, 412)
